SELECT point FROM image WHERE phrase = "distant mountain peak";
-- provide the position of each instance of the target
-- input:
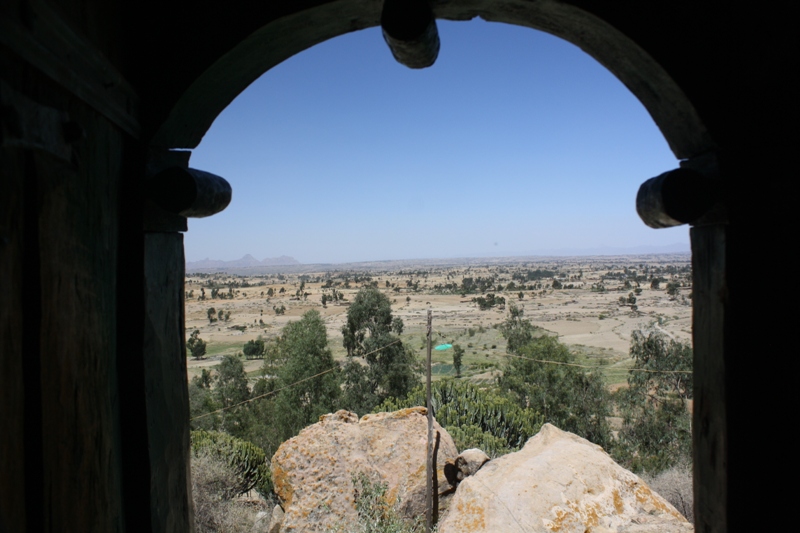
(246, 261)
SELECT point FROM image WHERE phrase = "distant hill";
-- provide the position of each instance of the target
(246, 262)
(249, 266)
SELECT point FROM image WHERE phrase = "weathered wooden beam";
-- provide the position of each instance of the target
(43, 38)
(167, 396)
(409, 28)
(189, 192)
(75, 248)
(15, 295)
(676, 197)
(713, 347)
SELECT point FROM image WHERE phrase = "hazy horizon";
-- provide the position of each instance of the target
(514, 143)
(677, 248)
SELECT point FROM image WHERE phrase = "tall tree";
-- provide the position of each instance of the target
(517, 330)
(656, 431)
(304, 350)
(458, 355)
(231, 383)
(254, 348)
(196, 345)
(565, 395)
(662, 365)
(231, 389)
(379, 365)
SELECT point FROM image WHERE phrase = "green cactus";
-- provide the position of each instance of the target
(472, 436)
(478, 416)
(248, 460)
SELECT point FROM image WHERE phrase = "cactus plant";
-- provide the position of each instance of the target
(477, 416)
(248, 460)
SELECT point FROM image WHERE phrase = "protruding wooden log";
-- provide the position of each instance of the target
(409, 29)
(189, 192)
(676, 197)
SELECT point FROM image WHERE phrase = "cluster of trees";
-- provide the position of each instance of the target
(299, 379)
(334, 296)
(542, 374)
(630, 301)
(533, 275)
(378, 364)
(471, 285)
(214, 315)
(480, 285)
(541, 382)
(279, 412)
(489, 301)
(656, 432)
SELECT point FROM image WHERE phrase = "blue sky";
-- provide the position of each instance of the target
(514, 142)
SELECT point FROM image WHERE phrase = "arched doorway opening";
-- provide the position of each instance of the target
(212, 91)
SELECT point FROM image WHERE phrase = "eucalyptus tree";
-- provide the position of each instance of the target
(379, 365)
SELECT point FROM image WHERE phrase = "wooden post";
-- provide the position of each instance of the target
(167, 396)
(429, 457)
(711, 341)
(435, 479)
(172, 193)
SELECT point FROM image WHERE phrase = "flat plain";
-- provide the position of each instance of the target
(591, 303)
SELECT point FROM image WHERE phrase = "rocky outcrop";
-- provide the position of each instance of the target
(558, 482)
(466, 464)
(312, 472)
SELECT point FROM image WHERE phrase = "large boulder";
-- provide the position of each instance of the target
(312, 472)
(558, 482)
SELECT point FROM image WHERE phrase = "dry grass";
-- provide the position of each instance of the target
(675, 485)
(216, 509)
(573, 314)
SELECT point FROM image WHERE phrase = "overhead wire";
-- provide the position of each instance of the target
(597, 366)
(270, 393)
(276, 391)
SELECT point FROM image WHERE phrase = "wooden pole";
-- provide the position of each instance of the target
(429, 456)
(435, 480)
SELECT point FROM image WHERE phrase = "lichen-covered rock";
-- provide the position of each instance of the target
(312, 472)
(558, 482)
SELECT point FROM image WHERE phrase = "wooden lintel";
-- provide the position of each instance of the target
(50, 44)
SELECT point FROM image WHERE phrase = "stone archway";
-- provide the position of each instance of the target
(209, 93)
(280, 39)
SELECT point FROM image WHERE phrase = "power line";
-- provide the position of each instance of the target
(270, 393)
(598, 366)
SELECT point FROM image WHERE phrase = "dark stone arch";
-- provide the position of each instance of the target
(207, 95)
